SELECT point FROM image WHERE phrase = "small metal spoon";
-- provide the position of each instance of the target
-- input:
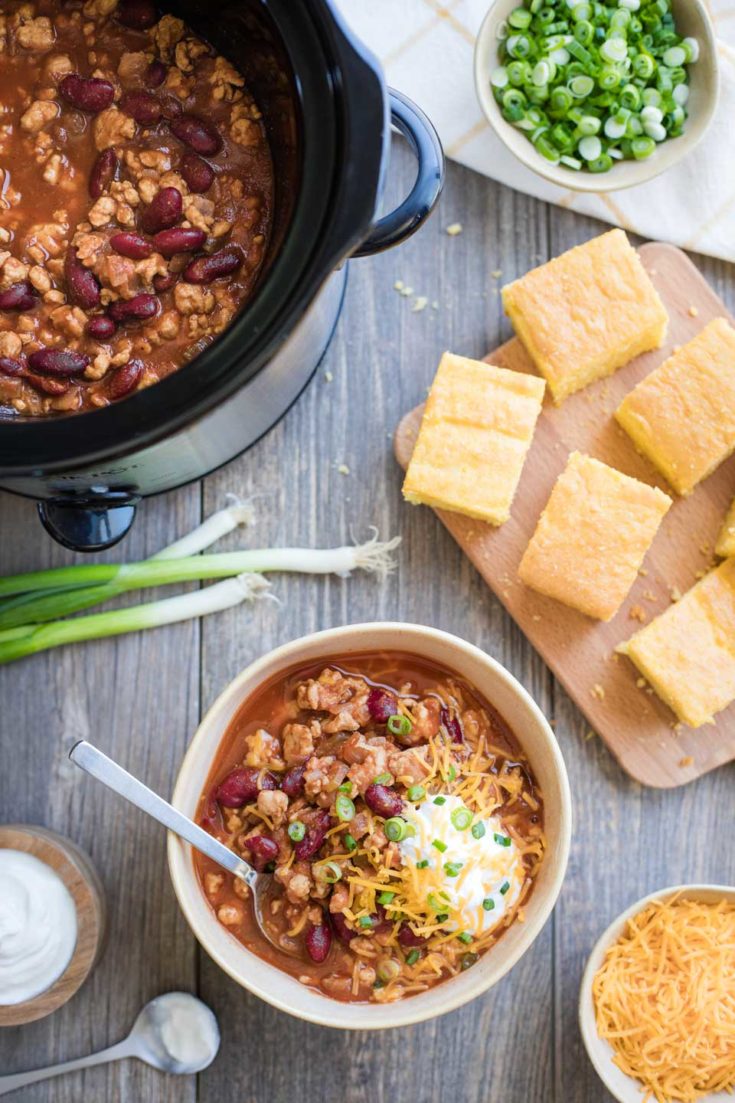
(99, 766)
(149, 1041)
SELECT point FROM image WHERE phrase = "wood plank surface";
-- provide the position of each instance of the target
(639, 729)
(140, 697)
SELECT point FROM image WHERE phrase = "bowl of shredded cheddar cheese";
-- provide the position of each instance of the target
(657, 1001)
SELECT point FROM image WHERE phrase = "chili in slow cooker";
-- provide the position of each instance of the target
(397, 812)
(136, 196)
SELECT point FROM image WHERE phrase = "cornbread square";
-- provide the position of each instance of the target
(688, 653)
(591, 538)
(725, 545)
(682, 415)
(586, 313)
(474, 437)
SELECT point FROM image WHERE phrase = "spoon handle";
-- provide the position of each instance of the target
(21, 1079)
(102, 768)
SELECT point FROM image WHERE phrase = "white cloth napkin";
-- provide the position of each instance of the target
(426, 50)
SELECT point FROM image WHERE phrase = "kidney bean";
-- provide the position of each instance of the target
(207, 269)
(163, 212)
(20, 296)
(180, 239)
(139, 15)
(137, 309)
(9, 366)
(315, 835)
(155, 74)
(130, 244)
(51, 361)
(343, 932)
(47, 385)
(381, 705)
(164, 283)
(452, 725)
(406, 937)
(170, 106)
(141, 106)
(211, 816)
(384, 801)
(89, 94)
(197, 133)
(198, 174)
(292, 782)
(81, 284)
(318, 942)
(263, 850)
(242, 785)
(101, 327)
(103, 172)
(124, 379)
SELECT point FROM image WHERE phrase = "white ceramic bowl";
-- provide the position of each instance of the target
(539, 744)
(692, 19)
(623, 1087)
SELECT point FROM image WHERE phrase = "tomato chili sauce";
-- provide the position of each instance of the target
(136, 200)
(397, 812)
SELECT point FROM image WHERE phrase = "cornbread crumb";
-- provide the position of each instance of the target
(343, 469)
(637, 613)
(328, 376)
(725, 545)
(419, 304)
(643, 572)
(398, 285)
(641, 683)
(590, 735)
(687, 760)
(694, 311)
(598, 691)
(649, 595)
(454, 229)
(675, 593)
(496, 273)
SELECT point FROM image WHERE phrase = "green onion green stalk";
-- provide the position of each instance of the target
(594, 82)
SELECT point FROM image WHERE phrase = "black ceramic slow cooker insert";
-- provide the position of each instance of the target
(328, 116)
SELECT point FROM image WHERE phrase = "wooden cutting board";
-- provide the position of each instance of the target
(639, 730)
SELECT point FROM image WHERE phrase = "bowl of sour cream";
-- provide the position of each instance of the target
(52, 922)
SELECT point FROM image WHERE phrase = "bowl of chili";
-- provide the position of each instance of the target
(396, 897)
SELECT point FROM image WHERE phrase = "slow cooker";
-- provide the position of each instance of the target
(329, 116)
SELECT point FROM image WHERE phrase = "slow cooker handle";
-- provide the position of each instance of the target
(423, 139)
(89, 524)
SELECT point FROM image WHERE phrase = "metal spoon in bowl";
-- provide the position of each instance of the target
(99, 766)
(175, 1032)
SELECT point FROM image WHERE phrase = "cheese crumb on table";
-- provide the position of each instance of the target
(586, 313)
(682, 415)
(474, 437)
(688, 653)
(592, 536)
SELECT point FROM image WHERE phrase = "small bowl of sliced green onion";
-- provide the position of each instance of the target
(597, 95)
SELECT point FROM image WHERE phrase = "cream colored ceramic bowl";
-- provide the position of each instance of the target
(534, 735)
(621, 1086)
(691, 19)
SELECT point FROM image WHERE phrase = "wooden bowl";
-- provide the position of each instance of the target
(81, 879)
(539, 743)
(624, 1088)
(692, 19)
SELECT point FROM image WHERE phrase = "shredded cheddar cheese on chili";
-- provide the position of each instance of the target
(665, 1000)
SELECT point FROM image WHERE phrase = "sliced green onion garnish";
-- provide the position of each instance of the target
(395, 829)
(416, 793)
(422, 864)
(452, 868)
(488, 904)
(344, 808)
(349, 841)
(468, 960)
(386, 897)
(434, 902)
(465, 937)
(383, 779)
(365, 921)
(296, 831)
(478, 830)
(440, 800)
(501, 840)
(345, 787)
(451, 774)
(504, 887)
(461, 818)
(330, 872)
(439, 845)
(412, 957)
(399, 725)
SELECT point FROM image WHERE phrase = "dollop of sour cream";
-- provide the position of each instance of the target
(478, 876)
(38, 926)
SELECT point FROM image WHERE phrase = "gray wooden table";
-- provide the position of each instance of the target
(140, 698)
